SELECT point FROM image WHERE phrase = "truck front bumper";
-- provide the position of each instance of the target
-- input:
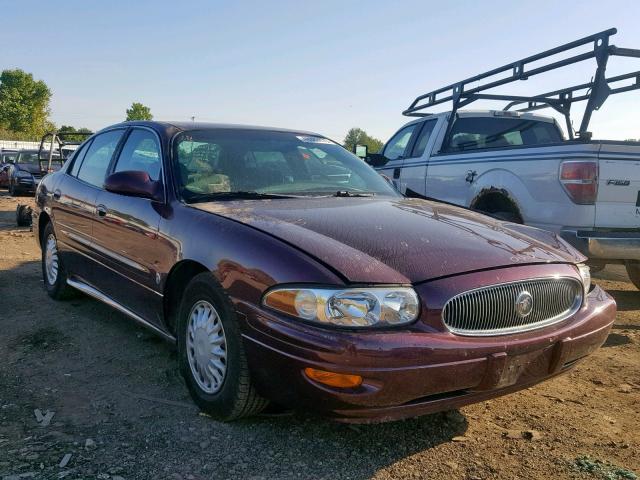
(602, 245)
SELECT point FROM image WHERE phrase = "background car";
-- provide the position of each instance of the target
(7, 157)
(27, 171)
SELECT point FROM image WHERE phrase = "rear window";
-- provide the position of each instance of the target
(476, 133)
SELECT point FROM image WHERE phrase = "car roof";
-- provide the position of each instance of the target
(184, 126)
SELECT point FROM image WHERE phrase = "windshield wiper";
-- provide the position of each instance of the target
(239, 195)
(349, 193)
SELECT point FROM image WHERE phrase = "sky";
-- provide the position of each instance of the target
(320, 66)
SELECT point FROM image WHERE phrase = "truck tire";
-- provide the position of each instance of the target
(633, 269)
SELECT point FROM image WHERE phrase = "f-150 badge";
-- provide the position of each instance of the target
(618, 183)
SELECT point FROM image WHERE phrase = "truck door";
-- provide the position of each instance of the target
(395, 151)
(414, 167)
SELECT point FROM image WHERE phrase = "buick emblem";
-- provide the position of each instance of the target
(524, 304)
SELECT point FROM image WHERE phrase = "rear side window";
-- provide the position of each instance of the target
(77, 159)
(141, 152)
(476, 133)
(423, 138)
(96, 161)
(397, 146)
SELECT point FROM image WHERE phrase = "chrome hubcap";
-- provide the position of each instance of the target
(51, 259)
(206, 347)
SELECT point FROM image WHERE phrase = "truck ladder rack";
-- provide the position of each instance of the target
(594, 92)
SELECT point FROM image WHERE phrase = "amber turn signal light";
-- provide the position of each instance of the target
(340, 380)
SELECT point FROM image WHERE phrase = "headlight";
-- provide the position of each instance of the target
(352, 307)
(585, 274)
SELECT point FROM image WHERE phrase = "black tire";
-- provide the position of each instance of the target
(59, 289)
(23, 215)
(633, 270)
(236, 396)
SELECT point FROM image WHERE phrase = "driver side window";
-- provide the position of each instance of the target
(141, 152)
(397, 146)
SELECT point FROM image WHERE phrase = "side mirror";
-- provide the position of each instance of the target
(134, 183)
(376, 159)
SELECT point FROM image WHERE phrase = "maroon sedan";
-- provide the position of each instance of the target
(287, 270)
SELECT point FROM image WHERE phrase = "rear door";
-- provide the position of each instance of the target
(618, 203)
(125, 233)
(396, 150)
(75, 197)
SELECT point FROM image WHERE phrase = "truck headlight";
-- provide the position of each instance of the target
(350, 307)
(585, 275)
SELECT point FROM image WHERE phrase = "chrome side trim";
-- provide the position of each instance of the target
(80, 252)
(119, 258)
(92, 292)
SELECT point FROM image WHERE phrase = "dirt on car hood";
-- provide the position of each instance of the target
(386, 240)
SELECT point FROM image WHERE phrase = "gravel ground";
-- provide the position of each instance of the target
(86, 394)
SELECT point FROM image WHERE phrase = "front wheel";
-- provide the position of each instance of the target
(211, 355)
(633, 269)
(53, 271)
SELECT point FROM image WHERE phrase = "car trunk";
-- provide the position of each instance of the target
(618, 202)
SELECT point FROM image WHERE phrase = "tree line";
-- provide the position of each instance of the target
(25, 109)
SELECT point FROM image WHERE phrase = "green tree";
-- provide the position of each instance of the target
(68, 130)
(138, 111)
(24, 103)
(357, 136)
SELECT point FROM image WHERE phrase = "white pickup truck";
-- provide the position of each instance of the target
(518, 165)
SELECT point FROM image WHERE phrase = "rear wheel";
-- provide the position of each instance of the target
(53, 271)
(211, 355)
(633, 269)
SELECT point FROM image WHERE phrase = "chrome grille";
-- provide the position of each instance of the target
(492, 310)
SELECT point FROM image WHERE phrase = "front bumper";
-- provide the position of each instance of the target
(411, 373)
(616, 245)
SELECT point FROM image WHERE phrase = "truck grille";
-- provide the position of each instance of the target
(513, 307)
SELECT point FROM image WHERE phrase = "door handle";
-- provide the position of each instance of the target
(101, 210)
(396, 173)
(57, 194)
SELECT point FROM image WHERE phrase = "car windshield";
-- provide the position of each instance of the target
(219, 162)
(27, 157)
(8, 157)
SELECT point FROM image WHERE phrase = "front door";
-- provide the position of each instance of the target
(395, 151)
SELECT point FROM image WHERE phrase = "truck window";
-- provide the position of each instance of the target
(397, 146)
(476, 133)
(423, 138)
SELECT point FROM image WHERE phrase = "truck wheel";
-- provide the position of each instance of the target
(211, 356)
(53, 271)
(633, 269)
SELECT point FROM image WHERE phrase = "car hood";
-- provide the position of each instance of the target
(386, 240)
(28, 167)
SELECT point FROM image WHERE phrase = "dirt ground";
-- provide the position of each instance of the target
(123, 412)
